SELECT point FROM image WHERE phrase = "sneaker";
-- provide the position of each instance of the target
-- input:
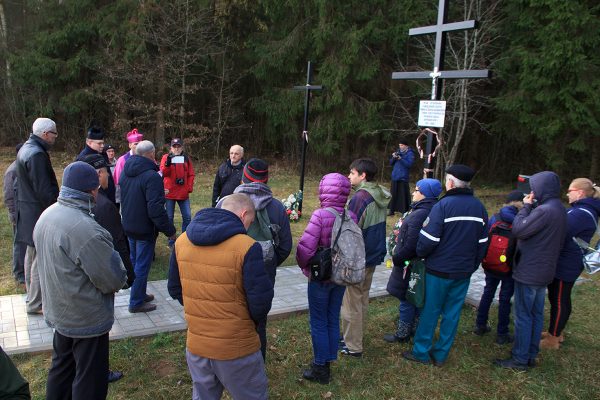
(341, 343)
(504, 339)
(145, 307)
(481, 330)
(347, 352)
(393, 338)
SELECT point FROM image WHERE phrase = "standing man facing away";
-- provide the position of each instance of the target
(229, 174)
(79, 274)
(453, 242)
(540, 233)
(401, 161)
(37, 189)
(144, 215)
(222, 347)
(369, 204)
(10, 177)
(178, 177)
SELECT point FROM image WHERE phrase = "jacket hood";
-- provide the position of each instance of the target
(75, 199)
(136, 165)
(589, 203)
(545, 185)
(508, 213)
(380, 195)
(334, 190)
(260, 193)
(212, 226)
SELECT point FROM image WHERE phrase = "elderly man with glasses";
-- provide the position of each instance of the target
(37, 189)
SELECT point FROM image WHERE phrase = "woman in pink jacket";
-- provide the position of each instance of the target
(324, 298)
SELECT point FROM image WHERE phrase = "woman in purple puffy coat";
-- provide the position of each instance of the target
(324, 298)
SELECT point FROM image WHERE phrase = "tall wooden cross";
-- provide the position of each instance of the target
(307, 89)
(440, 30)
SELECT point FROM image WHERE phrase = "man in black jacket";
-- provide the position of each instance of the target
(144, 215)
(37, 189)
(94, 144)
(229, 175)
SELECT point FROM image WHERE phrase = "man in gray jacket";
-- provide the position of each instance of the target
(79, 273)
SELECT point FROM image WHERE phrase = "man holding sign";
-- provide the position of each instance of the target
(178, 176)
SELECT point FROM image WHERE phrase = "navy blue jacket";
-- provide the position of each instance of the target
(143, 200)
(454, 237)
(210, 227)
(406, 249)
(540, 232)
(401, 167)
(579, 224)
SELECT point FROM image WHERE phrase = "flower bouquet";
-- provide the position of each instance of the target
(291, 206)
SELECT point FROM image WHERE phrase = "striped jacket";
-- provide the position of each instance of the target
(454, 237)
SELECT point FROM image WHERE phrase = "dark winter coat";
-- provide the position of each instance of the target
(454, 237)
(334, 190)
(143, 200)
(580, 224)
(406, 249)
(540, 232)
(37, 188)
(10, 176)
(111, 189)
(401, 167)
(227, 179)
(107, 216)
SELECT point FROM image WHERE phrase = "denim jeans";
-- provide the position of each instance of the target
(529, 321)
(184, 208)
(324, 303)
(141, 253)
(506, 292)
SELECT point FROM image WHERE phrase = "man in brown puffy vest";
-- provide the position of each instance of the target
(218, 275)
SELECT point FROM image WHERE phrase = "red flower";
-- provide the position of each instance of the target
(288, 212)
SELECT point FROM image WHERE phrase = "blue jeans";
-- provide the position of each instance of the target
(529, 321)
(141, 253)
(506, 292)
(184, 208)
(445, 297)
(324, 304)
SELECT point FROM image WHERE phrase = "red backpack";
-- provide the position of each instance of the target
(498, 258)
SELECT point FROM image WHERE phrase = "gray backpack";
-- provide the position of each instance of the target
(347, 250)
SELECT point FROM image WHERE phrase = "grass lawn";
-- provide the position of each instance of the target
(155, 367)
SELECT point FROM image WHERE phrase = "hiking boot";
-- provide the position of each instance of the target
(504, 339)
(393, 338)
(550, 343)
(561, 338)
(148, 298)
(145, 307)
(481, 330)
(347, 352)
(509, 363)
(318, 373)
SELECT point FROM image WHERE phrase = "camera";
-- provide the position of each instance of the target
(179, 181)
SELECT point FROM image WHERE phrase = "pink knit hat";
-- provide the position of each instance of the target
(134, 136)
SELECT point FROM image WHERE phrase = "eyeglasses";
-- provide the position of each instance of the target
(54, 133)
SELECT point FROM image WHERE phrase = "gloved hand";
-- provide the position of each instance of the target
(168, 162)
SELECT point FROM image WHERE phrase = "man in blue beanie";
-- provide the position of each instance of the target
(78, 285)
(453, 242)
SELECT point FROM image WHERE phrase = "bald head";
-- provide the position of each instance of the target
(145, 148)
(242, 206)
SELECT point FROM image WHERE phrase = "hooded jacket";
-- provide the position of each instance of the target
(79, 269)
(217, 273)
(540, 232)
(334, 190)
(580, 224)
(37, 188)
(143, 200)
(406, 249)
(454, 236)
(369, 204)
(228, 177)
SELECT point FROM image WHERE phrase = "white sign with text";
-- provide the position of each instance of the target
(432, 113)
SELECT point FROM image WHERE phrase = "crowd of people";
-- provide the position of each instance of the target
(76, 245)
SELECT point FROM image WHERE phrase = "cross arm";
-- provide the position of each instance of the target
(454, 26)
(309, 87)
(469, 73)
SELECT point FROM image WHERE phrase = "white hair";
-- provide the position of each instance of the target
(144, 148)
(42, 125)
(457, 182)
(237, 147)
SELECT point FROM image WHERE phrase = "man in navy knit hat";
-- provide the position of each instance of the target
(78, 285)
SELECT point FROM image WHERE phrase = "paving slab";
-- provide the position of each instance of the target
(22, 333)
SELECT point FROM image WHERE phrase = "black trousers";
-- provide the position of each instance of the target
(79, 368)
(559, 295)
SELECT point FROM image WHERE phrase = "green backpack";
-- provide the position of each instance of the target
(266, 234)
